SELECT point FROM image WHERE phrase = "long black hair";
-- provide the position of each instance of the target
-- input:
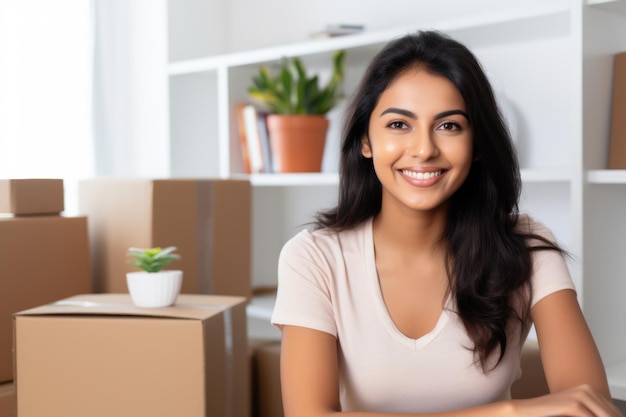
(489, 257)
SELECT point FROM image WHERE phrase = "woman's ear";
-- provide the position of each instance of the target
(366, 150)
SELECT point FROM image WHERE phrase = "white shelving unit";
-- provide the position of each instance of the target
(551, 66)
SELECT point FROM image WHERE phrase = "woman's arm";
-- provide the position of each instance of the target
(568, 352)
(308, 372)
(571, 362)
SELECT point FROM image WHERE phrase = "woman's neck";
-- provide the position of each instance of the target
(410, 230)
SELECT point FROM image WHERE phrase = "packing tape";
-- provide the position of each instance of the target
(228, 336)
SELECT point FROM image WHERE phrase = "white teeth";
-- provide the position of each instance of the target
(421, 175)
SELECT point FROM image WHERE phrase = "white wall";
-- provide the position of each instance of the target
(205, 31)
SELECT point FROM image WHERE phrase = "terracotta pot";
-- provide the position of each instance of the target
(297, 142)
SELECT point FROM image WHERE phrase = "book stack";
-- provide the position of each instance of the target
(254, 138)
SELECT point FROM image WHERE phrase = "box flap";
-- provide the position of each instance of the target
(188, 306)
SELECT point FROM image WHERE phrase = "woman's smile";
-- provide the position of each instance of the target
(422, 178)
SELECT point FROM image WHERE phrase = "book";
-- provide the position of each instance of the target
(243, 139)
(253, 139)
(265, 143)
(617, 152)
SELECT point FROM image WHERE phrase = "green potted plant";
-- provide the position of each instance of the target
(297, 123)
(153, 286)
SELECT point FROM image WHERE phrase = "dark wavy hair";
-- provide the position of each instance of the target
(489, 258)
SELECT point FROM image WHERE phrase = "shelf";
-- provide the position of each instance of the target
(617, 381)
(371, 40)
(607, 176)
(283, 180)
(545, 175)
(275, 53)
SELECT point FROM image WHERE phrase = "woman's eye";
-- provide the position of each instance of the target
(449, 126)
(397, 125)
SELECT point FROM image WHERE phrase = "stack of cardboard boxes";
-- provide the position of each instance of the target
(44, 256)
(62, 281)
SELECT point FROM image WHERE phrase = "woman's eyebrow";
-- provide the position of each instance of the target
(450, 113)
(403, 112)
(412, 115)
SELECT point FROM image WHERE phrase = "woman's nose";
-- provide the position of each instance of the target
(422, 145)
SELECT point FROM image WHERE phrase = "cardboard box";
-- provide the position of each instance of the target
(7, 400)
(617, 154)
(209, 221)
(98, 355)
(31, 196)
(265, 367)
(42, 259)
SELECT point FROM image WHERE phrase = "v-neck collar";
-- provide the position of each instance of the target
(389, 324)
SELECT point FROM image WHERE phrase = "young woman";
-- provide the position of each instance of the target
(416, 293)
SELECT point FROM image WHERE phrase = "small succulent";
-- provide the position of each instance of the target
(152, 259)
(292, 91)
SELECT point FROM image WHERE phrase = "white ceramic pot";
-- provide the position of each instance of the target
(154, 289)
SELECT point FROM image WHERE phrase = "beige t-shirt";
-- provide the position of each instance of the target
(327, 281)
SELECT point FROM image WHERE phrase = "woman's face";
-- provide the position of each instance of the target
(420, 140)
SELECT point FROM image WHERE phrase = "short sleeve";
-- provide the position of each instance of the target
(303, 297)
(550, 271)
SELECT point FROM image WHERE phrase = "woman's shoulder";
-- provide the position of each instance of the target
(325, 241)
(550, 272)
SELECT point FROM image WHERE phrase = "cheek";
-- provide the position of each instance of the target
(392, 147)
(460, 152)
(381, 146)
